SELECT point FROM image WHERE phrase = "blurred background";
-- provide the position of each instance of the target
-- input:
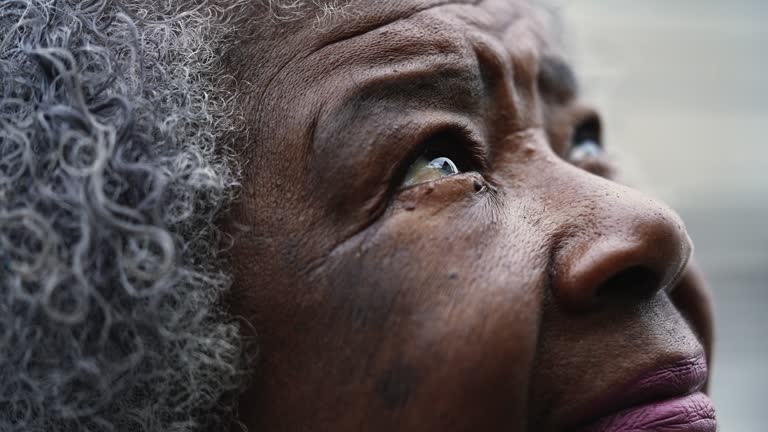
(683, 89)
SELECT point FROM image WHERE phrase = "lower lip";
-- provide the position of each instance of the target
(692, 413)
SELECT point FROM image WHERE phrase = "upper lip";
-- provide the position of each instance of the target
(671, 379)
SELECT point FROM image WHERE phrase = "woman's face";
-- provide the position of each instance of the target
(512, 286)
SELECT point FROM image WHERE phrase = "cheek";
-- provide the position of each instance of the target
(447, 288)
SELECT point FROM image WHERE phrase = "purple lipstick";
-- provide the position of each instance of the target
(668, 398)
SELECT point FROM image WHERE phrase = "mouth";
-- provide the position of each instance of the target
(668, 398)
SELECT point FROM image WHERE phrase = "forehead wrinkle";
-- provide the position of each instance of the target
(507, 58)
(362, 28)
(440, 63)
(354, 25)
(351, 31)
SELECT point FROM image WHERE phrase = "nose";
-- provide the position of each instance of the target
(618, 246)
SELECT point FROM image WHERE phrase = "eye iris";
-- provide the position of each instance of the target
(424, 170)
(585, 150)
(444, 165)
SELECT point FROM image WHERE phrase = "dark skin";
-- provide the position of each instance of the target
(507, 297)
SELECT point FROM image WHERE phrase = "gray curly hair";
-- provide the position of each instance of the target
(114, 163)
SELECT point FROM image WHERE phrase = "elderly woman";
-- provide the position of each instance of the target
(404, 205)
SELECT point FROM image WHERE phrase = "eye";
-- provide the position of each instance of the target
(425, 170)
(445, 154)
(586, 144)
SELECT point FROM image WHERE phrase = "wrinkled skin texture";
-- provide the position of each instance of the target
(505, 298)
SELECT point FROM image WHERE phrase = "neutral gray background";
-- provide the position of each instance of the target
(683, 88)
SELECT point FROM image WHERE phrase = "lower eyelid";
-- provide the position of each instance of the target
(458, 185)
(600, 166)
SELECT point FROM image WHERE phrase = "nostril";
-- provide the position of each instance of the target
(629, 285)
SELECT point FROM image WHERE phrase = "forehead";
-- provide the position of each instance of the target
(362, 10)
(297, 32)
(317, 39)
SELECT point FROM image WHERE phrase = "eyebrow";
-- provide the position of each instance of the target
(411, 102)
(454, 87)
(448, 88)
(557, 80)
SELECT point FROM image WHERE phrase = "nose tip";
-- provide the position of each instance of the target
(633, 259)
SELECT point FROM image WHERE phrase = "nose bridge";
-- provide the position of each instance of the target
(610, 241)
